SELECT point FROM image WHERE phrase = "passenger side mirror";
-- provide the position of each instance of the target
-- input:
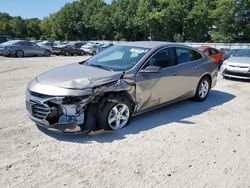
(151, 69)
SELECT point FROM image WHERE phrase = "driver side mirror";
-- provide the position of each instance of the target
(151, 69)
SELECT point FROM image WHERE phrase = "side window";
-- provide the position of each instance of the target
(163, 58)
(214, 51)
(33, 44)
(184, 55)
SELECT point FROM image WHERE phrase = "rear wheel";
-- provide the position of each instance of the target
(115, 115)
(47, 53)
(67, 53)
(203, 89)
(19, 53)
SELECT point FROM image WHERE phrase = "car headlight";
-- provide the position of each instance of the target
(225, 63)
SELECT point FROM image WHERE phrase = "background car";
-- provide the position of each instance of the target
(77, 44)
(238, 65)
(214, 53)
(21, 48)
(67, 50)
(91, 48)
(105, 45)
(4, 38)
(46, 44)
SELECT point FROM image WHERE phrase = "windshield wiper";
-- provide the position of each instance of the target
(100, 66)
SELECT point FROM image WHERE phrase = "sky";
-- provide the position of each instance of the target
(33, 8)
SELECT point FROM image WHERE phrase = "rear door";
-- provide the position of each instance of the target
(37, 50)
(188, 70)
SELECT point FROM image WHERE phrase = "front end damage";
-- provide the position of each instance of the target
(68, 113)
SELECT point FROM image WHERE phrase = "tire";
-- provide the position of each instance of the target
(47, 53)
(82, 53)
(19, 53)
(115, 115)
(203, 89)
(67, 53)
(219, 64)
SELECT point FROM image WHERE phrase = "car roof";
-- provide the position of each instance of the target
(147, 44)
(204, 47)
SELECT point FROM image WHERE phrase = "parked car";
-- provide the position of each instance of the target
(4, 38)
(67, 50)
(227, 54)
(238, 65)
(46, 44)
(105, 45)
(77, 44)
(91, 48)
(213, 53)
(104, 91)
(21, 48)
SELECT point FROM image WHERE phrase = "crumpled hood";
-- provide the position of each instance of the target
(77, 76)
(238, 60)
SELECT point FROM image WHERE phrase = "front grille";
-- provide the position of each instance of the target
(237, 73)
(39, 95)
(39, 111)
(240, 66)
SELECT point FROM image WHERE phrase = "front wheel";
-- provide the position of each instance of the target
(47, 53)
(82, 53)
(202, 89)
(114, 115)
(19, 53)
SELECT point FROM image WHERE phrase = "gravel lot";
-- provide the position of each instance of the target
(188, 144)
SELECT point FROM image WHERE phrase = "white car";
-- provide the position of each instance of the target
(91, 48)
(237, 66)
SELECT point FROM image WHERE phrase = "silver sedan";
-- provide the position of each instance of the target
(105, 91)
(238, 65)
(21, 48)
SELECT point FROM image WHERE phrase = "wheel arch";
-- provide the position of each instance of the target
(116, 97)
(208, 76)
(24, 54)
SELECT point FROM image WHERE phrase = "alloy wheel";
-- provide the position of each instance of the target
(204, 88)
(118, 116)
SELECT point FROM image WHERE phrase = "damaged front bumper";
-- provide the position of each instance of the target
(65, 114)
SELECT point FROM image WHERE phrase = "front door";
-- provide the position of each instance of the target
(153, 89)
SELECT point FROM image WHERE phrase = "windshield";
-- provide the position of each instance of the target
(201, 49)
(11, 42)
(118, 58)
(242, 53)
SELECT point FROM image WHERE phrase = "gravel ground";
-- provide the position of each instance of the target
(188, 144)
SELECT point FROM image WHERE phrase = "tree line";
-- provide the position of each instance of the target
(167, 20)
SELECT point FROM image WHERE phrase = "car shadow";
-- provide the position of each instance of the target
(178, 112)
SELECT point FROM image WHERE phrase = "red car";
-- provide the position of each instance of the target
(213, 53)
